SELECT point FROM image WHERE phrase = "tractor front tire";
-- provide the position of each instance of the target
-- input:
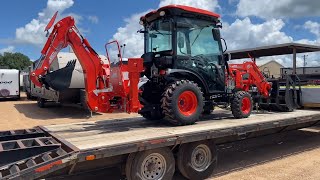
(182, 102)
(241, 104)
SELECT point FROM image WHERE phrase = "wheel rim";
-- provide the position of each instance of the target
(201, 158)
(187, 103)
(246, 105)
(153, 167)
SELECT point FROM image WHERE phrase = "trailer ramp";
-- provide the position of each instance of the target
(31, 153)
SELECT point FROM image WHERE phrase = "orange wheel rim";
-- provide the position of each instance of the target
(187, 103)
(246, 105)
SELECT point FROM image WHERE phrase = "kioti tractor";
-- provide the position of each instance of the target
(188, 73)
(187, 70)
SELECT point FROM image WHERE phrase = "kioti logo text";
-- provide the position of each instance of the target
(5, 82)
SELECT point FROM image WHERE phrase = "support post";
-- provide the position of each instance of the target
(294, 67)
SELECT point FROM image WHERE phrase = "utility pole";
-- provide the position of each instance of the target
(304, 63)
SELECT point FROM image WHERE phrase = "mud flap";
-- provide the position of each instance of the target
(60, 79)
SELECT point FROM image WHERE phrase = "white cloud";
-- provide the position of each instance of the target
(278, 9)
(313, 27)
(93, 19)
(134, 41)
(7, 49)
(128, 35)
(33, 32)
(244, 34)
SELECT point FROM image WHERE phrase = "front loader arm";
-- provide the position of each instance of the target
(255, 77)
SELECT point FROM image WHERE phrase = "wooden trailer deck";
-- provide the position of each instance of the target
(113, 133)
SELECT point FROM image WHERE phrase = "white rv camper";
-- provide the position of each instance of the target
(10, 83)
(74, 94)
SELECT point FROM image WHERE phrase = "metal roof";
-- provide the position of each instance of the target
(273, 50)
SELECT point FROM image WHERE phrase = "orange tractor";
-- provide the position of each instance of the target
(188, 73)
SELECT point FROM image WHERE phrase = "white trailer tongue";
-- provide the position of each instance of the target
(9, 83)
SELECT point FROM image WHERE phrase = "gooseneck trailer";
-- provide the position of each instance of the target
(143, 149)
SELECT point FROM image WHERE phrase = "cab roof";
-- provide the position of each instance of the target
(180, 9)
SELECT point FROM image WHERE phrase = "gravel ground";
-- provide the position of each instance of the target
(288, 156)
(26, 114)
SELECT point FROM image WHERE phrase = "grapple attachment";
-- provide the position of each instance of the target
(60, 79)
(285, 95)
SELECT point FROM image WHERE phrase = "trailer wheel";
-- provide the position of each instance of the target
(41, 102)
(241, 104)
(182, 103)
(197, 160)
(152, 164)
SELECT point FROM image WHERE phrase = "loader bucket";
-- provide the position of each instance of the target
(60, 79)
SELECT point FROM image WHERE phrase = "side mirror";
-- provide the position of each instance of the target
(225, 45)
(181, 42)
(216, 34)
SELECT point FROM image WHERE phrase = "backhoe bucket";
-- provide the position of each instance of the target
(60, 79)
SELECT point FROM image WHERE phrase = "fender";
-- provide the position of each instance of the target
(195, 76)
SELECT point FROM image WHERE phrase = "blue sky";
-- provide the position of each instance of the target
(247, 23)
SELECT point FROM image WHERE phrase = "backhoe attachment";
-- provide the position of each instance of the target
(106, 87)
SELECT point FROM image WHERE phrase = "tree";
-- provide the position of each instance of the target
(14, 60)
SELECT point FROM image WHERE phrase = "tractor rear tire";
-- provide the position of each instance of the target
(241, 104)
(153, 97)
(182, 102)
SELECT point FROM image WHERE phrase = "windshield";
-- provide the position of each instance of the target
(159, 36)
(196, 38)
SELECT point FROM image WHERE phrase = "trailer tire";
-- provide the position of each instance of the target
(41, 102)
(197, 160)
(241, 104)
(182, 102)
(151, 164)
(129, 165)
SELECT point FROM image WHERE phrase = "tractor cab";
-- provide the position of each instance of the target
(184, 41)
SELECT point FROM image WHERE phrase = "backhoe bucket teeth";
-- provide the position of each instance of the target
(60, 79)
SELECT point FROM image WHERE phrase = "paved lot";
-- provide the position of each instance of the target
(292, 155)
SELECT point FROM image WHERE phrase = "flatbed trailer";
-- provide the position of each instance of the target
(57, 150)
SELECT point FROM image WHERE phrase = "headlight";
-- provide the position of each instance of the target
(162, 13)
